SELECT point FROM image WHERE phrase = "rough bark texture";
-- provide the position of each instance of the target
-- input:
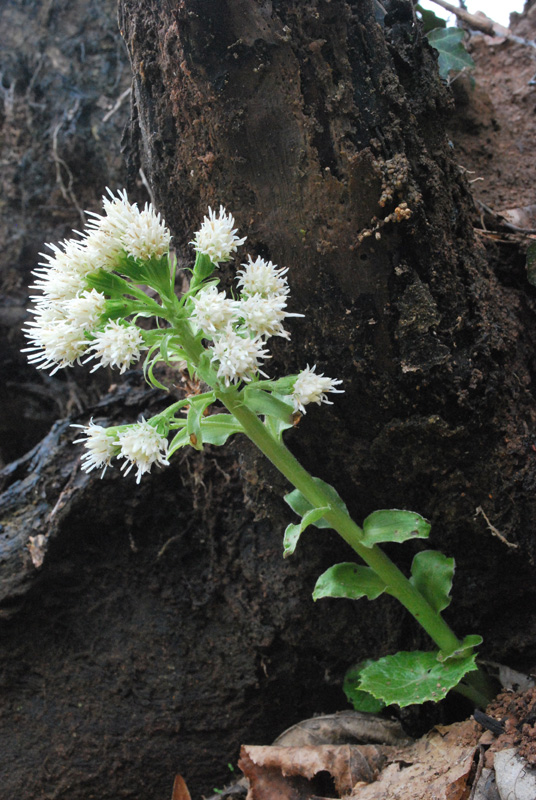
(163, 628)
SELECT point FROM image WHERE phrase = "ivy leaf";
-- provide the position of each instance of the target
(349, 580)
(432, 574)
(299, 503)
(360, 700)
(429, 19)
(452, 53)
(467, 645)
(394, 525)
(409, 678)
(293, 532)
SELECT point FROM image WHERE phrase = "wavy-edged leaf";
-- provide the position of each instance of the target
(349, 580)
(394, 525)
(411, 678)
(293, 532)
(432, 574)
(466, 646)
(452, 54)
(299, 503)
(360, 700)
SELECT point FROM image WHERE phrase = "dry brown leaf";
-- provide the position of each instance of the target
(437, 767)
(344, 727)
(180, 790)
(300, 773)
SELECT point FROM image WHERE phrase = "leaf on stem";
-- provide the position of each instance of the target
(293, 532)
(452, 53)
(410, 678)
(299, 503)
(268, 404)
(393, 525)
(432, 574)
(349, 580)
(471, 641)
(198, 405)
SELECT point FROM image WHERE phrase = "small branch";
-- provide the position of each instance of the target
(494, 530)
(118, 103)
(483, 23)
(501, 220)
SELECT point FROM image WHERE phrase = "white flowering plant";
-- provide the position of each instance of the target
(93, 292)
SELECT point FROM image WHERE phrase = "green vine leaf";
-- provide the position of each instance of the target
(299, 503)
(293, 532)
(452, 54)
(394, 525)
(432, 574)
(360, 700)
(411, 678)
(349, 580)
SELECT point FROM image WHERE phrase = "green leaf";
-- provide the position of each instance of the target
(277, 426)
(299, 503)
(531, 263)
(429, 19)
(349, 580)
(431, 575)
(360, 700)
(394, 525)
(195, 417)
(466, 647)
(218, 427)
(269, 405)
(409, 678)
(293, 532)
(452, 53)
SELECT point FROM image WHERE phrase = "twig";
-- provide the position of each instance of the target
(483, 24)
(67, 191)
(118, 103)
(146, 184)
(499, 217)
(494, 530)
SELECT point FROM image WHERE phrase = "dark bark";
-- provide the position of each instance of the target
(164, 629)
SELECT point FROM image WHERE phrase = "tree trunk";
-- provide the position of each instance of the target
(163, 628)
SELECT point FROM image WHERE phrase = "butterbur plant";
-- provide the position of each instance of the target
(94, 290)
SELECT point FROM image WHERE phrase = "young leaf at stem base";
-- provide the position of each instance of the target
(293, 532)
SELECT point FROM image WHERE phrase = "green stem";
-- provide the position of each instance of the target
(478, 688)
(476, 685)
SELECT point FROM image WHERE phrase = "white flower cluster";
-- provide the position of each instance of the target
(66, 313)
(140, 445)
(312, 388)
(239, 328)
(216, 237)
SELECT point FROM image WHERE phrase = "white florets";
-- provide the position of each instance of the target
(116, 346)
(264, 315)
(141, 446)
(311, 388)
(54, 342)
(213, 310)
(238, 356)
(262, 277)
(99, 445)
(146, 236)
(216, 237)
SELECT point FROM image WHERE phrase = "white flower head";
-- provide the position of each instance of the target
(55, 342)
(146, 235)
(264, 315)
(213, 310)
(103, 239)
(216, 237)
(262, 277)
(311, 388)
(141, 446)
(99, 445)
(116, 346)
(238, 356)
(85, 310)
